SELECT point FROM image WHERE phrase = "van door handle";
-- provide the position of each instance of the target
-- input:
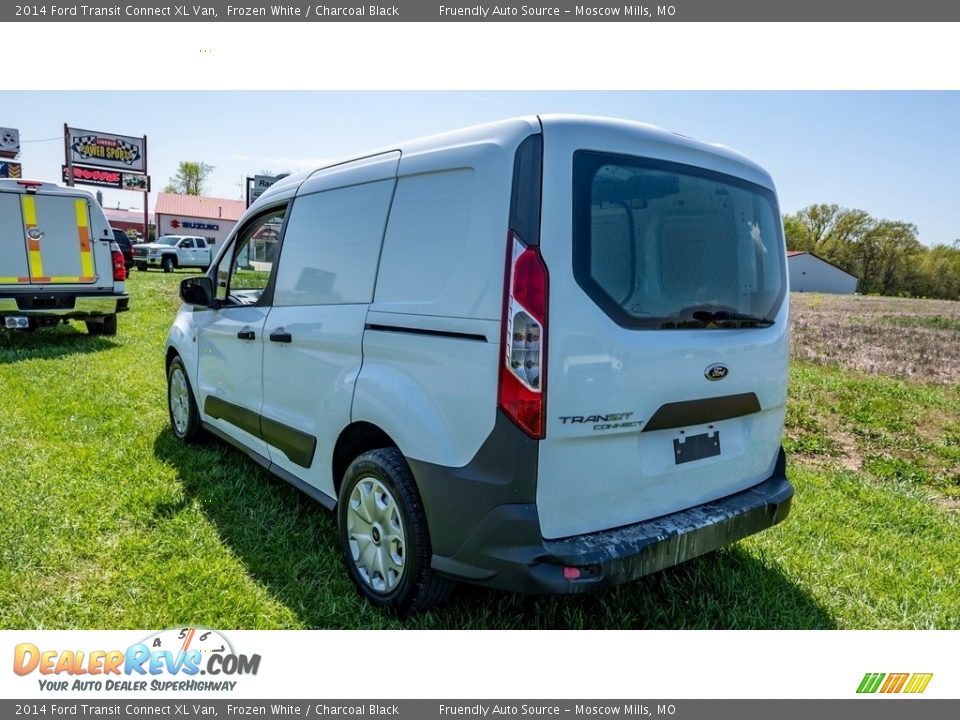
(280, 336)
(247, 334)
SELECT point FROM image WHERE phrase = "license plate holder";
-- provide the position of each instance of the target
(696, 447)
(16, 322)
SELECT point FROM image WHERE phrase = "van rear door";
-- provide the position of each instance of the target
(667, 332)
(56, 229)
(14, 263)
(47, 238)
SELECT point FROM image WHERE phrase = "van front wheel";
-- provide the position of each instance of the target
(182, 408)
(384, 537)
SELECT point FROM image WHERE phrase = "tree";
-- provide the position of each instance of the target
(885, 255)
(826, 230)
(938, 272)
(190, 179)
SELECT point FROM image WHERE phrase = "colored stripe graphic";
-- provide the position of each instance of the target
(69, 279)
(83, 231)
(918, 683)
(894, 682)
(33, 246)
(870, 682)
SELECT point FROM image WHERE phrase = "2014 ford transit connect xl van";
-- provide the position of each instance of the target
(547, 354)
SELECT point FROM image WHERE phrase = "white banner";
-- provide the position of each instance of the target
(382, 664)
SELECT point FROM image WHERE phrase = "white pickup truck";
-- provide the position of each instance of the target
(170, 252)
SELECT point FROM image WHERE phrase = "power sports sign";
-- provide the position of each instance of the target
(105, 150)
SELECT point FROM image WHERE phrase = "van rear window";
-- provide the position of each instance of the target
(661, 245)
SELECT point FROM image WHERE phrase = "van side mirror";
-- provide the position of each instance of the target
(197, 291)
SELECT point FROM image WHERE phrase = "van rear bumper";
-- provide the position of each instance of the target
(39, 303)
(506, 550)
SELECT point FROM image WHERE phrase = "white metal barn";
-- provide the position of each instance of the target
(808, 273)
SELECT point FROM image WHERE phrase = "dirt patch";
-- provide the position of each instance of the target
(898, 337)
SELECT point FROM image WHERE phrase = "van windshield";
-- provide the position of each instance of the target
(661, 245)
(168, 240)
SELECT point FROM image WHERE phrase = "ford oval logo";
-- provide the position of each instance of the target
(716, 372)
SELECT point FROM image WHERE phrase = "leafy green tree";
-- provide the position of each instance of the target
(885, 255)
(938, 272)
(190, 179)
(830, 232)
(896, 248)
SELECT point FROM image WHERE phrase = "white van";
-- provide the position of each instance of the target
(547, 354)
(58, 259)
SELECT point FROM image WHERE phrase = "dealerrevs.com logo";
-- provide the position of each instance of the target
(168, 660)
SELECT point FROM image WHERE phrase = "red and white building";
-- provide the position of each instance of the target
(208, 217)
(127, 220)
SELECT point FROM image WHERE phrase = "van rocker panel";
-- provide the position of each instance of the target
(506, 550)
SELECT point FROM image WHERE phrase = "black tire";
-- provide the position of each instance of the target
(418, 587)
(107, 326)
(167, 263)
(189, 430)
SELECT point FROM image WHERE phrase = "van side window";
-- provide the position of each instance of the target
(332, 246)
(245, 269)
(201, 243)
(188, 243)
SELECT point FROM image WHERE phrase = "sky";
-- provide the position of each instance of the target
(894, 154)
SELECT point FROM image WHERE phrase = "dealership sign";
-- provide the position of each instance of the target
(10, 170)
(105, 150)
(90, 176)
(192, 225)
(9, 142)
(261, 183)
(106, 178)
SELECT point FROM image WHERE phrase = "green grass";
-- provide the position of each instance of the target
(108, 522)
(897, 432)
(936, 322)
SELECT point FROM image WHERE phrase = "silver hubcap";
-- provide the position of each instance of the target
(375, 532)
(179, 401)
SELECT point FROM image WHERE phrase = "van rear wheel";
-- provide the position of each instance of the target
(106, 326)
(384, 537)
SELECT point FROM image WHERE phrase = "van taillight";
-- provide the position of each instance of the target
(119, 271)
(524, 343)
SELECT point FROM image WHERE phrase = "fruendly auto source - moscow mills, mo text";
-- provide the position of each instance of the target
(320, 11)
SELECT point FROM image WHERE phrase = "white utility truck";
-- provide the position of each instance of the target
(58, 259)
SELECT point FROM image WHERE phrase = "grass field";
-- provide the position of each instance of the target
(109, 523)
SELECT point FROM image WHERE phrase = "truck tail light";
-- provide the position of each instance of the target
(119, 270)
(523, 349)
